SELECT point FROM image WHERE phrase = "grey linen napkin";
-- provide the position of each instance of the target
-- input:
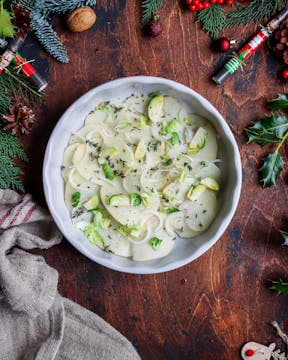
(35, 321)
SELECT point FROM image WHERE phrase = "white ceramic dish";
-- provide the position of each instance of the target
(185, 250)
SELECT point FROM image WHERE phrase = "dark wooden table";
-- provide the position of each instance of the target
(209, 308)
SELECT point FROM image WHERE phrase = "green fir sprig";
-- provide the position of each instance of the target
(257, 11)
(150, 7)
(280, 287)
(41, 12)
(215, 19)
(271, 130)
(212, 19)
(10, 149)
(14, 87)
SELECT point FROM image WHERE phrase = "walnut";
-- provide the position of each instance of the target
(81, 19)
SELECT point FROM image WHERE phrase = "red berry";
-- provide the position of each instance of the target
(192, 8)
(189, 2)
(249, 352)
(228, 2)
(200, 6)
(195, 2)
(220, 2)
(213, 2)
(285, 74)
(206, 4)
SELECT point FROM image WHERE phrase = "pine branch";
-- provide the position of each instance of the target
(48, 37)
(212, 20)
(4, 103)
(10, 148)
(257, 11)
(60, 7)
(150, 7)
(280, 287)
(17, 85)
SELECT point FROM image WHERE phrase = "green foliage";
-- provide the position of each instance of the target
(4, 103)
(10, 148)
(273, 129)
(268, 130)
(271, 169)
(60, 7)
(7, 29)
(281, 102)
(150, 7)
(257, 11)
(40, 14)
(285, 237)
(212, 19)
(16, 85)
(280, 287)
(215, 18)
(48, 37)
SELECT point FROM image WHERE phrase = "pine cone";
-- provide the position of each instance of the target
(280, 42)
(20, 119)
(21, 19)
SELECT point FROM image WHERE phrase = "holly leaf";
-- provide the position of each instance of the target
(285, 236)
(280, 287)
(268, 130)
(7, 29)
(279, 103)
(271, 169)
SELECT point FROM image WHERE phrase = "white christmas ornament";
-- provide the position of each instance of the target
(255, 351)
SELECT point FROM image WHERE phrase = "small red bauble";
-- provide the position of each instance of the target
(222, 44)
(285, 74)
(249, 352)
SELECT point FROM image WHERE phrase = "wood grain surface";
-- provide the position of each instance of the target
(209, 308)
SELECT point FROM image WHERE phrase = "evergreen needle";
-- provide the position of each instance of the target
(36, 93)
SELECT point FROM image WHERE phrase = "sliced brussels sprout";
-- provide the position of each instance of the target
(75, 199)
(155, 242)
(172, 126)
(195, 192)
(119, 200)
(155, 107)
(182, 176)
(140, 151)
(210, 183)
(93, 235)
(135, 199)
(175, 140)
(198, 141)
(108, 171)
(92, 203)
(98, 218)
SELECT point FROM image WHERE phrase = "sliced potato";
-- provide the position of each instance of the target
(144, 251)
(199, 214)
(125, 215)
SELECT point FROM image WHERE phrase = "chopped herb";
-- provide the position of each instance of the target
(75, 199)
(78, 212)
(108, 171)
(155, 242)
(169, 210)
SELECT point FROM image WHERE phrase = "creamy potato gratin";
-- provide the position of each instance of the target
(139, 173)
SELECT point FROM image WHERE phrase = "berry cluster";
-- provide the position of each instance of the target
(197, 5)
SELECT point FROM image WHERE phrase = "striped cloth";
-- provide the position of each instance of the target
(36, 323)
(13, 215)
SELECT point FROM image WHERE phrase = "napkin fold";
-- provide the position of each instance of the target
(36, 323)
